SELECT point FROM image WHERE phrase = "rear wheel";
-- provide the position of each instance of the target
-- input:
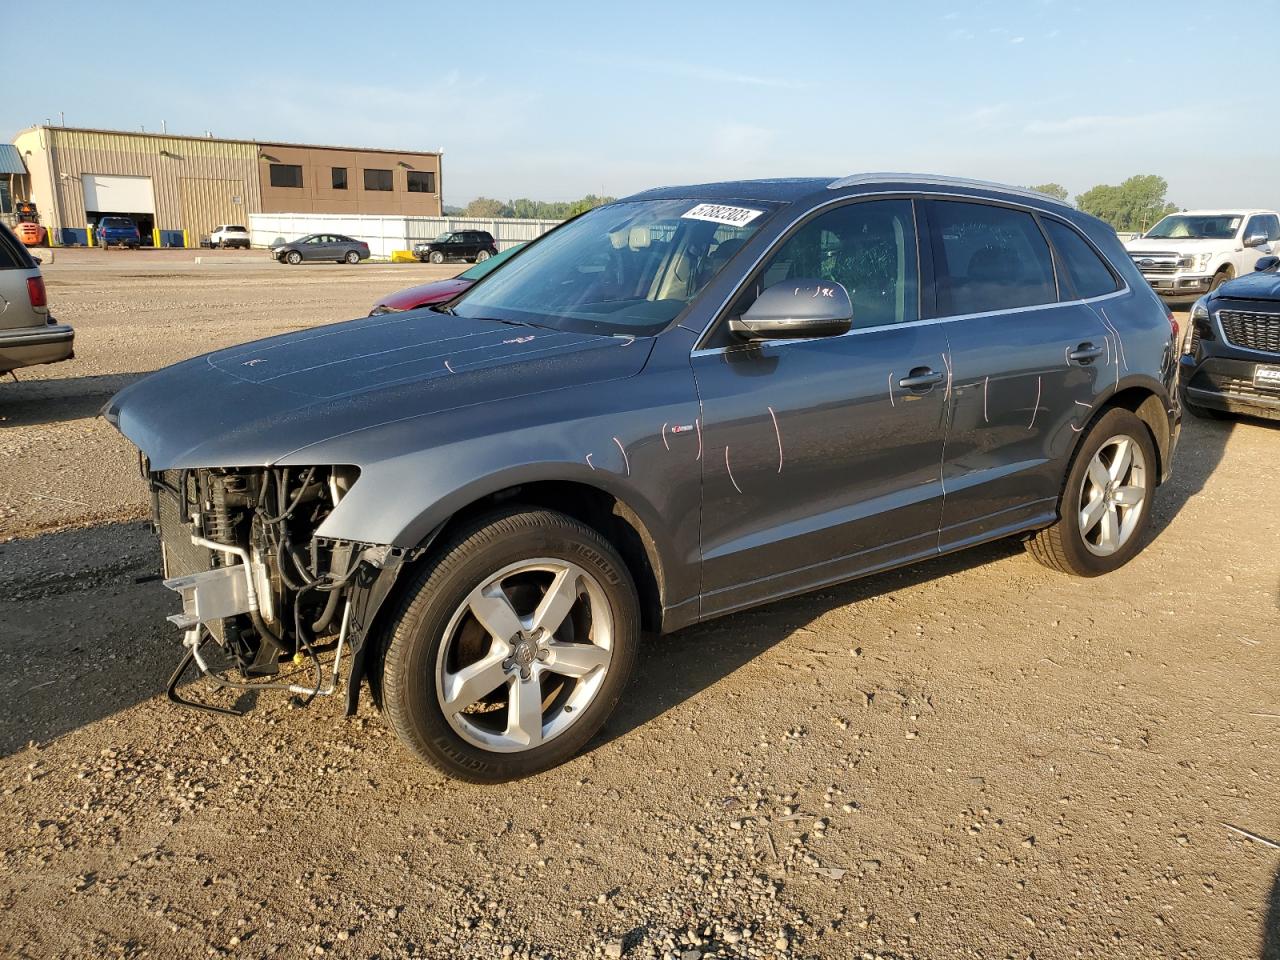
(482, 256)
(352, 257)
(293, 257)
(437, 256)
(1105, 507)
(509, 652)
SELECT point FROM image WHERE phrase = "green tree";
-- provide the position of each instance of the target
(1055, 190)
(1135, 204)
(486, 207)
(589, 202)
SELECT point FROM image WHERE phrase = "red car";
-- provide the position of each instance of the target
(424, 295)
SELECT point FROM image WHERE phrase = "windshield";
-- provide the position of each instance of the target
(486, 267)
(1181, 226)
(627, 268)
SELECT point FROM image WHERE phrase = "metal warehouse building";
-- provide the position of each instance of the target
(177, 189)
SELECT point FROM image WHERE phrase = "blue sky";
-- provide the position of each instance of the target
(553, 101)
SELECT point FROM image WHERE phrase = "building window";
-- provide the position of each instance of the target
(6, 203)
(377, 179)
(339, 178)
(286, 175)
(422, 181)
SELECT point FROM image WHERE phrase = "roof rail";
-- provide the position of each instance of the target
(860, 179)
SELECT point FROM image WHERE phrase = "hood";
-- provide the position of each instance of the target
(1262, 285)
(1176, 245)
(425, 294)
(253, 404)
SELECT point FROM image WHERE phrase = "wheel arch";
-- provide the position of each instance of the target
(1147, 405)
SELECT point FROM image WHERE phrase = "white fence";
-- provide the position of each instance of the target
(385, 234)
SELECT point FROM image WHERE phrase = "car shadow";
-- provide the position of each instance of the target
(1200, 450)
(676, 667)
(82, 638)
(32, 402)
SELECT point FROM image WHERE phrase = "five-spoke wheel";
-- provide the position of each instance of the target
(511, 646)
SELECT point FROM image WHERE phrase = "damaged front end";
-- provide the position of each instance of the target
(240, 547)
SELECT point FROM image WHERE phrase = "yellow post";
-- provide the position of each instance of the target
(88, 232)
(155, 237)
(186, 243)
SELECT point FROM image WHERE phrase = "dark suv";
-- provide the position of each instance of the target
(476, 245)
(675, 406)
(1231, 363)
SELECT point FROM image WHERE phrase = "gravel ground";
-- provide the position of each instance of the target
(972, 757)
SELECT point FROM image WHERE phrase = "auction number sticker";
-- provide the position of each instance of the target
(719, 213)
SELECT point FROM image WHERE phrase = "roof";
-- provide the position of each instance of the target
(1222, 212)
(799, 188)
(258, 143)
(11, 159)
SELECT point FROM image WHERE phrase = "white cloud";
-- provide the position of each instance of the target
(1097, 123)
(1017, 39)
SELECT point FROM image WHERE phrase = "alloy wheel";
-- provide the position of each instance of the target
(524, 655)
(1113, 495)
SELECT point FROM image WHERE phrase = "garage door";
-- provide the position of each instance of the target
(105, 193)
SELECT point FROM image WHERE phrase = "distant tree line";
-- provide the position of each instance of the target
(1132, 206)
(526, 209)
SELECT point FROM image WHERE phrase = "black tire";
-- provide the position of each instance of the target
(293, 258)
(482, 256)
(435, 256)
(1062, 546)
(1221, 277)
(352, 257)
(416, 629)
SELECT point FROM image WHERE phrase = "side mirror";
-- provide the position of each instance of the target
(1255, 240)
(1267, 263)
(795, 309)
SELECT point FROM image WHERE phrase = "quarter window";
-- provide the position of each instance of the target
(286, 175)
(377, 180)
(339, 175)
(869, 248)
(988, 258)
(421, 181)
(1088, 274)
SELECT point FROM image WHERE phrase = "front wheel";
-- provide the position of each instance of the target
(1221, 277)
(1105, 507)
(436, 256)
(293, 257)
(510, 651)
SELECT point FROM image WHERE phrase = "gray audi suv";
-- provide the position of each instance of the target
(682, 404)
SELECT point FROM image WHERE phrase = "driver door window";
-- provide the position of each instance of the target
(869, 248)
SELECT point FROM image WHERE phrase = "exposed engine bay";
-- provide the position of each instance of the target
(240, 546)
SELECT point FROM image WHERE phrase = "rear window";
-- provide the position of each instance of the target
(237, 229)
(13, 255)
(989, 258)
(1085, 269)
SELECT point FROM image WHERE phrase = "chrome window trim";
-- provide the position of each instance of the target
(699, 350)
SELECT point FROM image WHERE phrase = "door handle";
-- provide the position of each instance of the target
(1084, 354)
(921, 378)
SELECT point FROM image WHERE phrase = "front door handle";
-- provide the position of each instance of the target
(921, 378)
(1085, 354)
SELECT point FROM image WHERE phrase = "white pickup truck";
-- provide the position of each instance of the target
(1188, 254)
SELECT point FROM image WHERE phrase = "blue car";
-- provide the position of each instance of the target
(118, 232)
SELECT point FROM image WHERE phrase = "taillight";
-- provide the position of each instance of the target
(35, 292)
(1173, 323)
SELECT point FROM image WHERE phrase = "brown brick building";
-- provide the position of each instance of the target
(177, 188)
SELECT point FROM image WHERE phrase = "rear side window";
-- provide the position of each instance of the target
(988, 258)
(13, 256)
(869, 248)
(1088, 274)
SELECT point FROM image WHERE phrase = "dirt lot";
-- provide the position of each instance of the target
(973, 757)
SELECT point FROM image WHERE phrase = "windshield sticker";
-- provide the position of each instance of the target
(719, 213)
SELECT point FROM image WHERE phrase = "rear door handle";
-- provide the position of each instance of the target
(921, 378)
(1085, 354)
